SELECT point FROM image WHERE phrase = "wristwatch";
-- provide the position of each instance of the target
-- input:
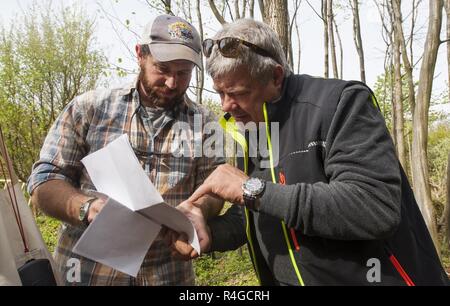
(84, 210)
(253, 189)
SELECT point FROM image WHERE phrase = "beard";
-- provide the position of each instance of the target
(154, 97)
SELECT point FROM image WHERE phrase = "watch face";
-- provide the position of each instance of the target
(254, 185)
(82, 212)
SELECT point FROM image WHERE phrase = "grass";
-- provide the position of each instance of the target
(49, 230)
(232, 268)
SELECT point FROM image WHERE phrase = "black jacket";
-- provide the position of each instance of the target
(353, 213)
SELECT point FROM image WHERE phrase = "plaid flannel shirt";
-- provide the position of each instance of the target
(89, 123)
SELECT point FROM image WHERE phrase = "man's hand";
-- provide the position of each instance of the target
(179, 242)
(225, 183)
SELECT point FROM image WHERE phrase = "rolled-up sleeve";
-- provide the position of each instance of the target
(63, 148)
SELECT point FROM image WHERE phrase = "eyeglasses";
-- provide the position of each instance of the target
(229, 47)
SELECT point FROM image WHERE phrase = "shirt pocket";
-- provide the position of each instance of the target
(174, 166)
(174, 173)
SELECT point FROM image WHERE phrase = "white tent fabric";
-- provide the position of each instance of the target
(8, 269)
(12, 251)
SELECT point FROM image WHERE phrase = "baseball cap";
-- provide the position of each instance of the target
(172, 38)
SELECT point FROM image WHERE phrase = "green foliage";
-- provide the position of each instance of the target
(383, 89)
(49, 230)
(46, 59)
(438, 150)
(230, 269)
(215, 107)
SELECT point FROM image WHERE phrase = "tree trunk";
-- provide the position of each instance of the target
(236, 9)
(357, 38)
(252, 9)
(291, 59)
(413, 28)
(330, 18)
(447, 11)
(398, 30)
(276, 15)
(244, 8)
(420, 120)
(325, 37)
(397, 111)
(341, 50)
(200, 72)
(297, 31)
(447, 207)
(262, 9)
(386, 31)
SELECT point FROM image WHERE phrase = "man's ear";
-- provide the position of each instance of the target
(139, 53)
(278, 76)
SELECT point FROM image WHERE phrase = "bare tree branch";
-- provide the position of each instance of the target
(110, 18)
(357, 38)
(312, 7)
(229, 9)
(200, 74)
(291, 53)
(167, 7)
(215, 12)
(157, 8)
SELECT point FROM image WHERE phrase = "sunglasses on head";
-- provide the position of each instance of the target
(229, 47)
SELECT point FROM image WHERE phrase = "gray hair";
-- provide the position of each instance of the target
(260, 67)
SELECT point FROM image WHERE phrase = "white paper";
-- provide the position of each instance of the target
(124, 230)
(116, 172)
(118, 238)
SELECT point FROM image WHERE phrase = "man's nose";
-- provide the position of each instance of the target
(228, 104)
(171, 82)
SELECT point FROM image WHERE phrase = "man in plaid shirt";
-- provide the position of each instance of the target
(147, 111)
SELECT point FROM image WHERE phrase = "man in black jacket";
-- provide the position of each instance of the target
(334, 208)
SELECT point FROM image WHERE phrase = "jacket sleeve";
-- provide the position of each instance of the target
(362, 198)
(227, 231)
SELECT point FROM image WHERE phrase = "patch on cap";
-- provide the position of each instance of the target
(182, 31)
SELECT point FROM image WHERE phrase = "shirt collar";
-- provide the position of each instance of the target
(286, 94)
